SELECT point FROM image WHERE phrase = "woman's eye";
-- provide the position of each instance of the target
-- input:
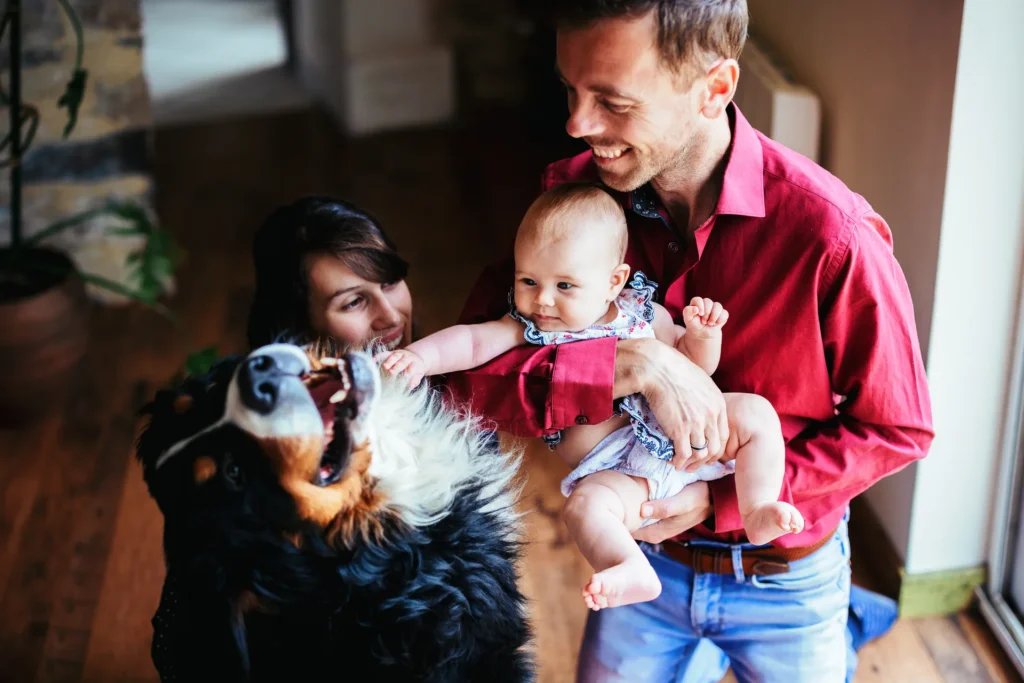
(353, 304)
(389, 285)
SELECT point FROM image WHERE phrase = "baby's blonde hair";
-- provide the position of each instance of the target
(574, 210)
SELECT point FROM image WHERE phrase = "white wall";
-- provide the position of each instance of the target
(975, 293)
(885, 73)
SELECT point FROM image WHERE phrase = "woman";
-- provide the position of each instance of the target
(324, 268)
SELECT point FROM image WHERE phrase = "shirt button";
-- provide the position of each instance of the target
(581, 419)
(673, 246)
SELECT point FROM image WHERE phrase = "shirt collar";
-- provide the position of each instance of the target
(742, 186)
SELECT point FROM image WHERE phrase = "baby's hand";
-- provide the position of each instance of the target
(403, 362)
(704, 317)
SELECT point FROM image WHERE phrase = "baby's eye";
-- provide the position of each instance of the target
(565, 286)
(528, 282)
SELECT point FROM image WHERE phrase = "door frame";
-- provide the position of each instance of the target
(1008, 509)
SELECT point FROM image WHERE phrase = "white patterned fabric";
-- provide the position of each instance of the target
(642, 449)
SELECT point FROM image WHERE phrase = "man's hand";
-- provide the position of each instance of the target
(685, 510)
(687, 404)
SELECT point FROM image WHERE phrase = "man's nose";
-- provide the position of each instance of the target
(583, 121)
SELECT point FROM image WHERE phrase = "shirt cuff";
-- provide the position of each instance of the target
(582, 383)
(725, 508)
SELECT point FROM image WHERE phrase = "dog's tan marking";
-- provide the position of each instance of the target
(182, 404)
(294, 457)
(203, 468)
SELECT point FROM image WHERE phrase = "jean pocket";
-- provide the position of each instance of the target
(824, 569)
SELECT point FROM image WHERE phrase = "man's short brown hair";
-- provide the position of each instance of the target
(691, 33)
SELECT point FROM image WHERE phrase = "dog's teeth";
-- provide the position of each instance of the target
(339, 396)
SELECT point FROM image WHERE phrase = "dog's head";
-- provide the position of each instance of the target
(274, 444)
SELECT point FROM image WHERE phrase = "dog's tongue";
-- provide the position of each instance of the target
(322, 394)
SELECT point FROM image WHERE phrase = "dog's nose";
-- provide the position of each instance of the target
(259, 381)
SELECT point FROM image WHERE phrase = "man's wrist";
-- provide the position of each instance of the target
(632, 358)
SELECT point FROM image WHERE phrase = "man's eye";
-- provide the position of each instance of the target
(615, 108)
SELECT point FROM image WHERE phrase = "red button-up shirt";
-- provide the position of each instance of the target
(821, 324)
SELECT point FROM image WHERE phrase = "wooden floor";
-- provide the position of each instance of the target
(80, 557)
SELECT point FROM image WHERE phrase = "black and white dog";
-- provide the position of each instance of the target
(324, 523)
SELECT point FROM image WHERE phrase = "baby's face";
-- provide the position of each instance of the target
(563, 286)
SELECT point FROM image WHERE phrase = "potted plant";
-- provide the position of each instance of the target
(43, 302)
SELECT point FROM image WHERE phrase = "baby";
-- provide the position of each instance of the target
(570, 285)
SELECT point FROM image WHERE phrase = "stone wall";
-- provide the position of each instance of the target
(107, 154)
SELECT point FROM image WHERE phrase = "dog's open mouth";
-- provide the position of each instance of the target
(339, 388)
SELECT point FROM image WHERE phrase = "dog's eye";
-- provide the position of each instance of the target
(233, 474)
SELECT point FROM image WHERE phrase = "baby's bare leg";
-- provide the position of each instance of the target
(755, 436)
(601, 513)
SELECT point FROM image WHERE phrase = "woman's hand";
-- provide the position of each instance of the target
(687, 404)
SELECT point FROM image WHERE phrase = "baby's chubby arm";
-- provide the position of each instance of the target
(665, 330)
(455, 348)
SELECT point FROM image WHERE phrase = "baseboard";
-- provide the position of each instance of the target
(939, 593)
(880, 568)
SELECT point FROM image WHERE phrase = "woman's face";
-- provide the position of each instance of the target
(354, 310)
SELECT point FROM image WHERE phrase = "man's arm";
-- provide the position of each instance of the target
(883, 421)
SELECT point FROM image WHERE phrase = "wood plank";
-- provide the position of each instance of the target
(988, 650)
(24, 455)
(49, 568)
(554, 571)
(898, 657)
(950, 650)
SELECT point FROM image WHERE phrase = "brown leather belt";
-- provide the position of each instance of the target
(757, 562)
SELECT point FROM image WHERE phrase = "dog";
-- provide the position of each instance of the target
(322, 522)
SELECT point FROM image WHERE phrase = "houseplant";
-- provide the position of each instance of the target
(43, 303)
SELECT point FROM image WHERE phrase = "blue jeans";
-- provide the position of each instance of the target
(786, 628)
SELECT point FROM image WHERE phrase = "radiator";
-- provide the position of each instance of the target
(776, 105)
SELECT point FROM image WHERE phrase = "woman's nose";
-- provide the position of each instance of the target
(387, 315)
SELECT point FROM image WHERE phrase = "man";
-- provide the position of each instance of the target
(822, 325)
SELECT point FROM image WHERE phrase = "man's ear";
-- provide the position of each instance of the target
(620, 276)
(719, 87)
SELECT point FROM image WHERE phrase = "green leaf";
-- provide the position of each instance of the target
(199, 362)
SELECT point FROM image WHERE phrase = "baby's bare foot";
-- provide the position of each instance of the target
(768, 521)
(624, 584)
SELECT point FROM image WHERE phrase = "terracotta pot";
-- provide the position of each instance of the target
(43, 335)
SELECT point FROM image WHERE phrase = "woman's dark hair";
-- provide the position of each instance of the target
(312, 226)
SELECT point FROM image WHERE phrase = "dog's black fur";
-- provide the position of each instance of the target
(255, 593)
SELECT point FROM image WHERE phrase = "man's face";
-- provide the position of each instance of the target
(624, 101)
